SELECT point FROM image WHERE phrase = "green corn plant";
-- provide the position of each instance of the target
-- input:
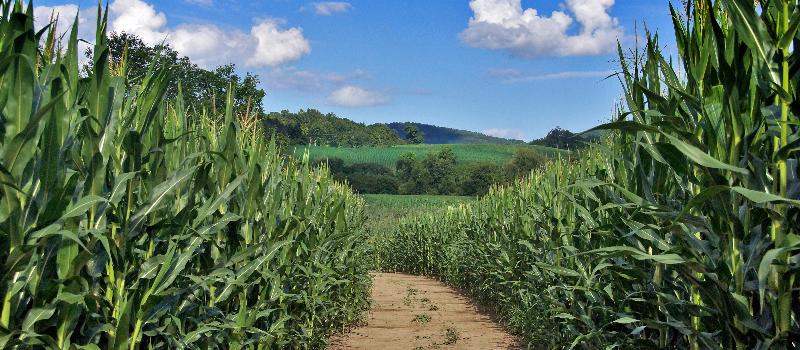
(679, 231)
(128, 223)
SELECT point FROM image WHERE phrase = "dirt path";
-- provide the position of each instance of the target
(412, 312)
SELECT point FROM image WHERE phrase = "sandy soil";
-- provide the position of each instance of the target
(412, 312)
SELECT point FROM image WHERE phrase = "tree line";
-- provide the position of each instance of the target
(312, 127)
(562, 139)
(203, 90)
(437, 173)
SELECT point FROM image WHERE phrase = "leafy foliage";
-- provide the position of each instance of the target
(441, 171)
(523, 163)
(364, 177)
(201, 89)
(127, 223)
(562, 139)
(413, 134)
(680, 232)
(477, 179)
(311, 127)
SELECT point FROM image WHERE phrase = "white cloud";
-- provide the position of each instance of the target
(209, 46)
(517, 76)
(505, 25)
(354, 96)
(505, 133)
(275, 47)
(329, 8)
(139, 18)
(266, 44)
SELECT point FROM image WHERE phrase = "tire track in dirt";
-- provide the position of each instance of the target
(415, 313)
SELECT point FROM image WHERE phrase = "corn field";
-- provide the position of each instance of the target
(127, 222)
(681, 231)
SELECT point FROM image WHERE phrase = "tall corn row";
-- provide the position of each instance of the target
(680, 231)
(126, 223)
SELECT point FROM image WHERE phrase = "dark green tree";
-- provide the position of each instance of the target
(373, 183)
(441, 168)
(561, 139)
(478, 179)
(523, 162)
(313, 127)
(363, 177)
(202, 88)
(413, 134)
(412, 176)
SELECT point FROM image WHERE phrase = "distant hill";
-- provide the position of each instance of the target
(312, 127)
(442, 135)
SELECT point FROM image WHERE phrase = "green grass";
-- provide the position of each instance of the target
(387, 156)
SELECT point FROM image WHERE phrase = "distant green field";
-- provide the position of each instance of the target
(388, 156)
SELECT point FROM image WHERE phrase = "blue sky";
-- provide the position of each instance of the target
(486, 65)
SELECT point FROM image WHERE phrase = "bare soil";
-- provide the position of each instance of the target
(413, 312)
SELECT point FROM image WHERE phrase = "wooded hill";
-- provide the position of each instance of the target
(433, 134)
(312, 127)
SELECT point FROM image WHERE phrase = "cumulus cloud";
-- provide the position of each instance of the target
(266, 44)
(329, 8)
(275, 46)
(505, 25)
(140, 18)
(208, 45)
(505, 133)
(517, 76)
(355, 96)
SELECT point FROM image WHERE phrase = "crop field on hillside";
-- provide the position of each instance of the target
(388, 156)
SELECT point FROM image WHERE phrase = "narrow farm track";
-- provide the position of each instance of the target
(413, 312)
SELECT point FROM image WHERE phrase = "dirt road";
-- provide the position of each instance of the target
(412, 312)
